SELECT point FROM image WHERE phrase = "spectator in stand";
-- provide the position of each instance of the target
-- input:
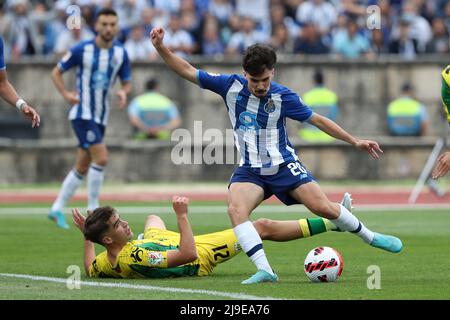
(404, 45)
(378, 44)
(21, 32)
(177, 39)
(138, 47)
(247, 36)
(419, 28)
(291, 7)
(351, 44)
(310, 41)
(446, 15)
(440, 40)
(54, 26)
(221, 9)
(277, 17)
(68, 38)
(191, 22)
(280, 39)
(258, 10)
(129, 12)
(319, 12)
(211, 44)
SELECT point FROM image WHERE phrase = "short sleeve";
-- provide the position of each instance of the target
(173, 112)
(125, 68)
(133, 108)
(94, 271)
(71, 59)
(2, 56)
(295, 108)
(423, 113)
(218, 83)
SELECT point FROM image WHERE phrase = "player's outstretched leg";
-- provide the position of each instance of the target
(377, 240)
(69, 186)
(261, 276)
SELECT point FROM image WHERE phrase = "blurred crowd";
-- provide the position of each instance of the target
(217, 28)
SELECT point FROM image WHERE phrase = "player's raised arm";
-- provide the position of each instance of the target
(176, 63)
(89, 248)
(187, 252)
(333, 129)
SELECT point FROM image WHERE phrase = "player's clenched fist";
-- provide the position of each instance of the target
(157, 36)
(180, 204)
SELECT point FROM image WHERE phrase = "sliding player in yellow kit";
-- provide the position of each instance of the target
(163, 253)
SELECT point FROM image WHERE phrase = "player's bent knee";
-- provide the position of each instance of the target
(237, 215)
(325, 210)
(102, 162)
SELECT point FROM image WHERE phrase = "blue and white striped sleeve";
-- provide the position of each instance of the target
(2, 56)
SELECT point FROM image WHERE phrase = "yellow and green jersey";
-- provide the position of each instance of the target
(147, 258)
(445, 91)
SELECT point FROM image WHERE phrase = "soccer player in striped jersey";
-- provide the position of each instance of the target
(163, 253)
(99, 62)
(443, 162)
(8, 93)
(258, 108)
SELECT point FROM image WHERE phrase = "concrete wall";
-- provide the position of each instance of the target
(50, 160)
(364, 89)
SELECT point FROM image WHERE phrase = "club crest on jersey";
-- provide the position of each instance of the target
(269, 107)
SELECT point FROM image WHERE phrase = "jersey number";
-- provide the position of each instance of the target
(296, 168)
(221, 254)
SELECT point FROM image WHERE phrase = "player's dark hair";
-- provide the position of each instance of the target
(96, 224)
(318, 77)
(151, 84)
(258, 58)
(105, 12)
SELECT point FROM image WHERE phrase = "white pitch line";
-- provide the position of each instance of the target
(240, 296)
(223, 209)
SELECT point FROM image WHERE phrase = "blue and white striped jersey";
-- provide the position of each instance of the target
(97, 71)
(2, 55)
(259, 124)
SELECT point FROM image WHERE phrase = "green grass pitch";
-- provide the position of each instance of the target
(32, 245)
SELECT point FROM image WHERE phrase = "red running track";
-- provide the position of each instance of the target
(359, 197)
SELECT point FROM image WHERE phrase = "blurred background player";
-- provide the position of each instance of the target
(9, 94)
(406, 116)
(163, 253)
(152, 114)
(443, 162)
(322, 101)
(99, 62)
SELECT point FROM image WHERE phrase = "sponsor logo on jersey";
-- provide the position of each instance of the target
(155, 258)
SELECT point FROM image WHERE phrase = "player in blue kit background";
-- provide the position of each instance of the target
(258, 108)
(9, 94)
(99, 61)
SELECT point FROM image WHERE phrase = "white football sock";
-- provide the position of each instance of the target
(94, 184)
(70, 184)
(348, 222)
(251, 243)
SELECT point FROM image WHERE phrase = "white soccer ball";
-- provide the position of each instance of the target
(323, 264)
